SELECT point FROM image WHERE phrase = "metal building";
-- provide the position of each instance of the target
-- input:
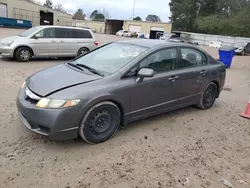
(96, 26)
(39, 15)
(152, 30)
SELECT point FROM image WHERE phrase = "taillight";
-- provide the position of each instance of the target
(96, 43)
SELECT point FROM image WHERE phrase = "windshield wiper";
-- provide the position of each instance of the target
(74, 65)
(90, 69)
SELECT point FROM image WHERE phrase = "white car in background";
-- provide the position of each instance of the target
(165, 36)
(122, 33)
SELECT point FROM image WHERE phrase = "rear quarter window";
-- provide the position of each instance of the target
(84, 34)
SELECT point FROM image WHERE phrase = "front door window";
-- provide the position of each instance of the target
(47, 33)
(161, 61)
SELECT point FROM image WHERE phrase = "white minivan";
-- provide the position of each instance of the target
(48, 41)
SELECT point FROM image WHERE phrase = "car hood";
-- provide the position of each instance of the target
(11, 38)
(57, 78)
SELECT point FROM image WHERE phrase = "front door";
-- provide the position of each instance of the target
(158, 93)
(247, 49)
(67, 39)
(46, 45)
(193, 73)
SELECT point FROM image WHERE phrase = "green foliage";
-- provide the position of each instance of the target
(153, 18)
(95, 15)
(137, 18)
(236, 25)
(183, 14)
(79, 15)
(222, 17)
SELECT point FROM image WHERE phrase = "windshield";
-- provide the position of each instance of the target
(111, 58)
(29, 32)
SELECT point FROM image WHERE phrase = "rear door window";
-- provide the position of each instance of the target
(65, 33)
(192, 58)
(84, 34)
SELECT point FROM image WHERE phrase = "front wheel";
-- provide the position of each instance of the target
(243, 52)
(208, 96)
(23, 54)
(100, 122)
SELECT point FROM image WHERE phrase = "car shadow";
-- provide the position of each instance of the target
(52, 59)
(168, 117)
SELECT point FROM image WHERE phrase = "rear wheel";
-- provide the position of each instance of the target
(23, 54)
(82, 51)
(100, 122)
(208, 97)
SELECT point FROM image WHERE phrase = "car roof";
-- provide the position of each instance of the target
(151, 43)
(66, 27)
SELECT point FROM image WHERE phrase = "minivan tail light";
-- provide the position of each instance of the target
(96, 43)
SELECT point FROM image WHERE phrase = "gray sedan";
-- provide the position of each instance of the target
(120, 82)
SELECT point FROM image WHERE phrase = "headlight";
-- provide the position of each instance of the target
(56, 103)
(7, 43)
(23, 85)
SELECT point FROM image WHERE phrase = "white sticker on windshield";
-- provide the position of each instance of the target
(131, 54)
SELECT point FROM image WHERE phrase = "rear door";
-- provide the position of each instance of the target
(45, 46)
(85, 39)
(67, 39)
(194, 73)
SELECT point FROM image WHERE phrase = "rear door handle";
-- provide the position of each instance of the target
(53, 41)
(62, 41)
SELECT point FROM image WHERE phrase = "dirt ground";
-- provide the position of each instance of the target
(187, 148)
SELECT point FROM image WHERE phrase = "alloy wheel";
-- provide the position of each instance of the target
(25, 55)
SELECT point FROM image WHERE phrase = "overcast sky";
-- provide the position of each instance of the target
(119, 9)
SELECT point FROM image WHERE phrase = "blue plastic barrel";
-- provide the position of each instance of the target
(142, 36)
(226, 54)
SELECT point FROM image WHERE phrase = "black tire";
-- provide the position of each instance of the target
(100, 123)
(23, 54)
(208, 96)
(82, 51)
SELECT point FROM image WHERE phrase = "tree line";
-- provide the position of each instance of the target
(222, 17)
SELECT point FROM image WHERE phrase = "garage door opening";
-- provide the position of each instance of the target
(46, 18)
(156, 32)
(112, 26)
(134, 28)
(3, 10)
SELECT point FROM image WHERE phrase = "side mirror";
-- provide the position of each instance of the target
(37, 36)
(144, 73)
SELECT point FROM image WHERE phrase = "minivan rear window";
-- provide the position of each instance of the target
(84, 34)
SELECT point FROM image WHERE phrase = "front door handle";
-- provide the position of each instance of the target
(173, 78)
(53, 41)
(62, 41)
(203, 72)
